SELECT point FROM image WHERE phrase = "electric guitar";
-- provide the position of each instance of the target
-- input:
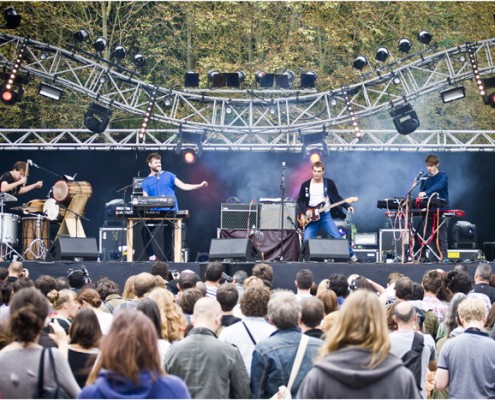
(304, 221)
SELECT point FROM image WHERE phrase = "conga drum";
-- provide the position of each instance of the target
(29, 233)
(35, 205)
(64, 191)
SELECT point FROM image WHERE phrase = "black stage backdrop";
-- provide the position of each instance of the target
(250, 175)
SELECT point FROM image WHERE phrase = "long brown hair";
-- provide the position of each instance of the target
(130, 347)
(361, 323)
(172, 319)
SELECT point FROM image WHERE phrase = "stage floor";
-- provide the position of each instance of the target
(284, 273)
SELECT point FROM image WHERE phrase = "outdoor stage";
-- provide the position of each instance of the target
(284, 273)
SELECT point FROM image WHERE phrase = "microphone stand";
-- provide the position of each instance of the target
(409, 219)
(282, 196)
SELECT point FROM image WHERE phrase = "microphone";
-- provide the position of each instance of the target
(158, 173)
(420, 174)
(283, 164)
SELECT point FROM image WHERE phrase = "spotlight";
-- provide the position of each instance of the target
(382, 54)
(189, 155)
(308, 80)
(52, 92)
(360, 62)
(12, 19)
(477, 77)
(139, 60)
(453, 94)
(464, 235)
(314, 140)
(350, 110)
(11, 95)
(405, 119)
(285, 80)
(230, 79)
(404, 45)
(264, 80)
(147, 115)
(81, 35)
(100, 44)
(396, 80)
(315, 155)
(191, 79)
(424, 37)
(97, 118)
(118, 52)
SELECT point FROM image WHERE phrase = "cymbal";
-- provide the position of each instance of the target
(6, 197)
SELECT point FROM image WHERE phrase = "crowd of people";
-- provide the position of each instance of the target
(186, 336)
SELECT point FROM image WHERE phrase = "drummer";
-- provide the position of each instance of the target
(14, 181)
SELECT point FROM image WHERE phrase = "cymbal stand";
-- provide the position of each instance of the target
(5, 248)
(40, 249)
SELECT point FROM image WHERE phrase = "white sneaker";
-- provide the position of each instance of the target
(152, 258)
(354, 258)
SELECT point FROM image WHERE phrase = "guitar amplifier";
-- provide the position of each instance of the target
(238, 216)
(271, 214)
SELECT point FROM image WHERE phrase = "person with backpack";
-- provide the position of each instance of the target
(416, 349)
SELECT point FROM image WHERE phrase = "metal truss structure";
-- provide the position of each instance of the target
(251, 119)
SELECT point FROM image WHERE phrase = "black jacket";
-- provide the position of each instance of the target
(330, 191)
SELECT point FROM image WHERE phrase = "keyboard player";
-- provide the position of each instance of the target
(162, 183)
(436, 182)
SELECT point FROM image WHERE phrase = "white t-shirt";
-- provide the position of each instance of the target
(316, 193)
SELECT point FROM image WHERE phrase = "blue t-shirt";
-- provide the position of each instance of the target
(165, 186)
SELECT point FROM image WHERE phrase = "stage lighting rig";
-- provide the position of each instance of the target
(11, 91)
(226, 79)
(313, 141)
(12, 19)
(405, 119)
(97, 118)
(308, 80)
(147, 115)
(190, 145)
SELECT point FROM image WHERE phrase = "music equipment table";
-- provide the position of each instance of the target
(140, 215)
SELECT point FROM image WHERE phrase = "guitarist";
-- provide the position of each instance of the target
(319, 190)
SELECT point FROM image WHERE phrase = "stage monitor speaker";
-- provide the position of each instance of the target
(232, 249)
(270, 215)
(238, 216)
(489, 250)
(68, 248)
(326, 250)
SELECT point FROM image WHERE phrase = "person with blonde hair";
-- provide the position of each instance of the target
(172, 318)
(131, 369)
(64, 303)
(355, 360)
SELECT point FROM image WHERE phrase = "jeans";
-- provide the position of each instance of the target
(326, 222)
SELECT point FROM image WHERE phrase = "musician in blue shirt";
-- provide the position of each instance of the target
(437, 182)
(162, 183)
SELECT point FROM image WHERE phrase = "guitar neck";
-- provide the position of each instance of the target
(330, 206)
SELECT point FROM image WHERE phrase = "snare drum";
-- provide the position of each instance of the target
(8, 228)
(64, 191)
(53, 211)
(29, 233)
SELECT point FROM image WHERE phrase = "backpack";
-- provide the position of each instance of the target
(412, 359)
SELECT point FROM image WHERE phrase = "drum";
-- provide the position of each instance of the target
(35, 205)
(29, 233)
(53, 211)
(64, 191)
(8, 228)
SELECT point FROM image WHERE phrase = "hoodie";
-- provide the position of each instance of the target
(345, 374)
(110, 385)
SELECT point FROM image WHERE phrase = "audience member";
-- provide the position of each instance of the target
(355, 360)
(338, 283)
(264, 272)
(160, 268)
(78, 278)
(16, 270)
(273, 357)
(404, 339)
(430, 323)
(173, 322)
(482, 281)
(45, 284)
(212, 369)
(131, 369)
(141, 284)
(227, 296)
(85, 335)
(62, 283)
(109, 293)
(467, 362)
(187, 300)
(253, 328)
(4, 274)
(304, 281)
(65, 306)
(89, 298)
(329, 299)
(388, 296)
(128, 293)
(28, 313)
(323, 285)
(213, 275)
(312, 314)
(238, 280)
(329, 321)
(432, 284)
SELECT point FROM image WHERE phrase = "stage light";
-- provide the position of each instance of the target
(118, 52)
(360, 62)
(424, 37)
(308, 80)
(285, 80)
(147, 115)
(97, 118)
(480, 83)
(404, 45)
(453, 94)
(350, 110)
(100, 44)
(382, 54)
(405, 119)
(12, 19)
(464, 235)
(189, 155)
(12, 95)
(313, 141)
(315, 155)
(139, 60)
(229, 79)
(264, 80)
(12, 90)
(50, 91)
(396, 80)
(191, 79)
(80, 36)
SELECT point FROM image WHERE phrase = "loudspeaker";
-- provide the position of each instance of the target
(238, 216)
(326, 249)
(489, 250)
(235, 249)
(68, 248)
(270, 215)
